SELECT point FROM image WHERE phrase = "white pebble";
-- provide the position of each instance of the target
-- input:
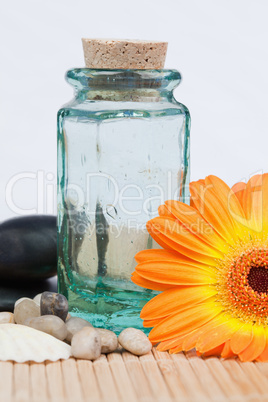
(75, 324)
(25, 309)
(86, 344)
(20, 300)
(6, 318)
(109, 342)
(135, 341)
(37, 298)
(50, 324)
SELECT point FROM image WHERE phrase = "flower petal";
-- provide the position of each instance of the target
(242, 338)
(175, 349)
(238, 189)
(229, 201)
(251, 186)
(192, 220)
(171, 343)
(151, 323)
(174, 231)
(265, 202)
(145, 283)
(212, 208)
(264, 355)
(173, 300)
(163, 211)
(214, 352)
(227, 351)
(190, 341)
(169, 272)
(253, 203)
(162, 255)
(187, 341)
(171, 245)
(184, 322)
(256, 346)
(216, 336)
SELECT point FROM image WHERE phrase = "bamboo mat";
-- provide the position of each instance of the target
(122, 376)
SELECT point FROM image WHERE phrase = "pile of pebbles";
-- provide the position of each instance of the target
(48, 312)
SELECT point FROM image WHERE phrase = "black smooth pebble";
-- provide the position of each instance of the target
(28, 248)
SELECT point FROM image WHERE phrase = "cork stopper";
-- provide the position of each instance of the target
(124, 54)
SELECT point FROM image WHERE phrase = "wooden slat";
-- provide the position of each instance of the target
(55, 382)
(205, 377)
(22, 392)
(6, 381)
(38, 382)
(188, 378)
(263, 367)
(257, 378)
(121, 378)
(246, 387)
(71, 381)
(155, 378)
(171, 375)
(89, 384)
(105, 380)
(223, 377)
(138, 378)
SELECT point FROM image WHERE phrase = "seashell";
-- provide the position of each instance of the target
(21, 344)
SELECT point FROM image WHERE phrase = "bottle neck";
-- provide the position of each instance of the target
(124, 85)
(134, 95)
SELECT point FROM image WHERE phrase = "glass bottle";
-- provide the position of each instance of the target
(123, 149)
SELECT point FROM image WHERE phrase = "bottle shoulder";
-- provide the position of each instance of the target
(117, 109)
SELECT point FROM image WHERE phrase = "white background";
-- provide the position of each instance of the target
(220, 47)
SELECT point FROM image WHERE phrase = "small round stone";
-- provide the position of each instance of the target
(20, 300)
(37, 298)
(109, 342)
(135, 341)
(51, 324)
(75, 324)
(54, 304)
(86, 344)
(26, 309)
(6, 318)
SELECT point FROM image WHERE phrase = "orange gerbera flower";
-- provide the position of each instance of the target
(212, 271)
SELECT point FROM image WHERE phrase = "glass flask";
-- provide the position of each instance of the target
(123, 149)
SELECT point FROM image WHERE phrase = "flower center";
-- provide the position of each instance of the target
(243, 284)
(258, 279)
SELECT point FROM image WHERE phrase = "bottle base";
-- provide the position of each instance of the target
(115, 322)
(108, 307)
